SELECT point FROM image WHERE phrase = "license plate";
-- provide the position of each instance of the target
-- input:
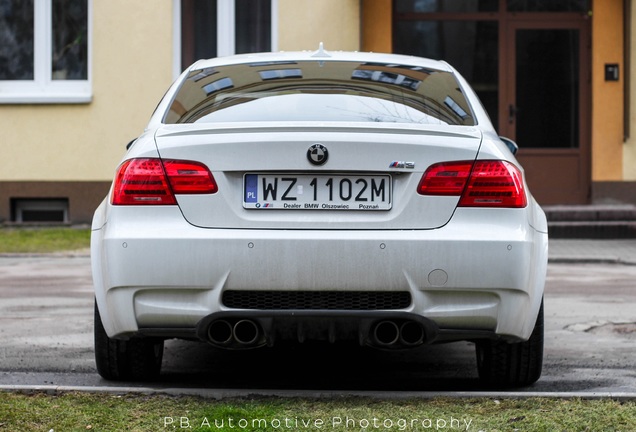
(316, 192)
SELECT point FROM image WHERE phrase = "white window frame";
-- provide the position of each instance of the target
(43, 89)
(225, 31)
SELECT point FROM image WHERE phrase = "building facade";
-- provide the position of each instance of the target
(80, 78)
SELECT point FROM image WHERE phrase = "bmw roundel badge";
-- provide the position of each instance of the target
(317, 154)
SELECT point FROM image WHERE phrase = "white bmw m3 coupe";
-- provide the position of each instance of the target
(320, 196)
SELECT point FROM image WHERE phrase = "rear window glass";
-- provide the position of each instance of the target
(322, 91)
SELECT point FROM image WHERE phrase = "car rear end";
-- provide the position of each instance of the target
(373, 224)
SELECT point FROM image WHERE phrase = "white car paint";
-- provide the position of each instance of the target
(472, 272)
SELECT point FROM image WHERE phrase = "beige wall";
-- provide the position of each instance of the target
(607, 97)
(377, 25)
(303, 24)
(132, 67)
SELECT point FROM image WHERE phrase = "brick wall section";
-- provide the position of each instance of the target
(83, 197)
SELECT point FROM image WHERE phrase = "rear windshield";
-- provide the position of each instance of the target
(322, 91)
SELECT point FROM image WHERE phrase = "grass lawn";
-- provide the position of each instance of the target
(106, 412)
(43, 240)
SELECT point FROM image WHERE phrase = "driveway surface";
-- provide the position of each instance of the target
(46, 325)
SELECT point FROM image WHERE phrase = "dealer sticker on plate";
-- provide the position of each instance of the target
(316, 192)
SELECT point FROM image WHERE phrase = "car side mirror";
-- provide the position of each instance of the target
(129, 145)
(512, 146)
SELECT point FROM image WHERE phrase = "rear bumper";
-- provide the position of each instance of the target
(379, 329)
(159, 275)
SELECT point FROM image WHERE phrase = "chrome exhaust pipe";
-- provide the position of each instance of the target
(386, 333)
(411, 333)
(220, 332)
(246, 332)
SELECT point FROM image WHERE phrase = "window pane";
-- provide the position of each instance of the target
(469, 46)
(16, 39)
(402, 6)
(547, 88)
(321, 91)
(70, 40)
(198, 30)
(548, 5)
(253, 26)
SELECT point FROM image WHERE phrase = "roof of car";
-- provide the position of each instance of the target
(325, 55)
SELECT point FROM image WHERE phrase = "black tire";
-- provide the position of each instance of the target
(135, 359)
(502, 364)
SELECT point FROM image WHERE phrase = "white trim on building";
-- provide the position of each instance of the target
(43, 89)
(225, 31)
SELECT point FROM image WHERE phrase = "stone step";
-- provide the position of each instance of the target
(592, 230)
(592, 221)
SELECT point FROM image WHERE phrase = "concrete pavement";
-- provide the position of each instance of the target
(592, 251)
(589, 339)
(46, 340)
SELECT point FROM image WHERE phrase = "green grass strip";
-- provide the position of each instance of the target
(43, 240)
(81, 412)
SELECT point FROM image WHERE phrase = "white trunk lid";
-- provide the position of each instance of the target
(357, 154)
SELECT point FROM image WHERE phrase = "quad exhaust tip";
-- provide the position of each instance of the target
(220, 332)
(246, 332)
(243, 333)
(392, 334)
(412, 333)
(386, 333)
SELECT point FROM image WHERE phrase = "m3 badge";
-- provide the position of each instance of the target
(402, 164)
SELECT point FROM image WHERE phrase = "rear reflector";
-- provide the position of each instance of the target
(155, 182)
(486, 183)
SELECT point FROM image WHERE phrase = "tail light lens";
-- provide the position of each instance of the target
(486, 183)
(189, 177)
(155, 182)
(494, 184)
(448, 178)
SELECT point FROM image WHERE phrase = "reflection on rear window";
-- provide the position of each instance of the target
(322, 91)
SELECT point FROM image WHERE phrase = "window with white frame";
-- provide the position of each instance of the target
(215, 28)
(45, 51)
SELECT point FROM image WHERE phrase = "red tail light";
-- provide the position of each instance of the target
(487, 183)
(155, 182)
(189, 177)
(447, 178)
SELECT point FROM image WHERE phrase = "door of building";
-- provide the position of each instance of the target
(544, 106)
(529, 62)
